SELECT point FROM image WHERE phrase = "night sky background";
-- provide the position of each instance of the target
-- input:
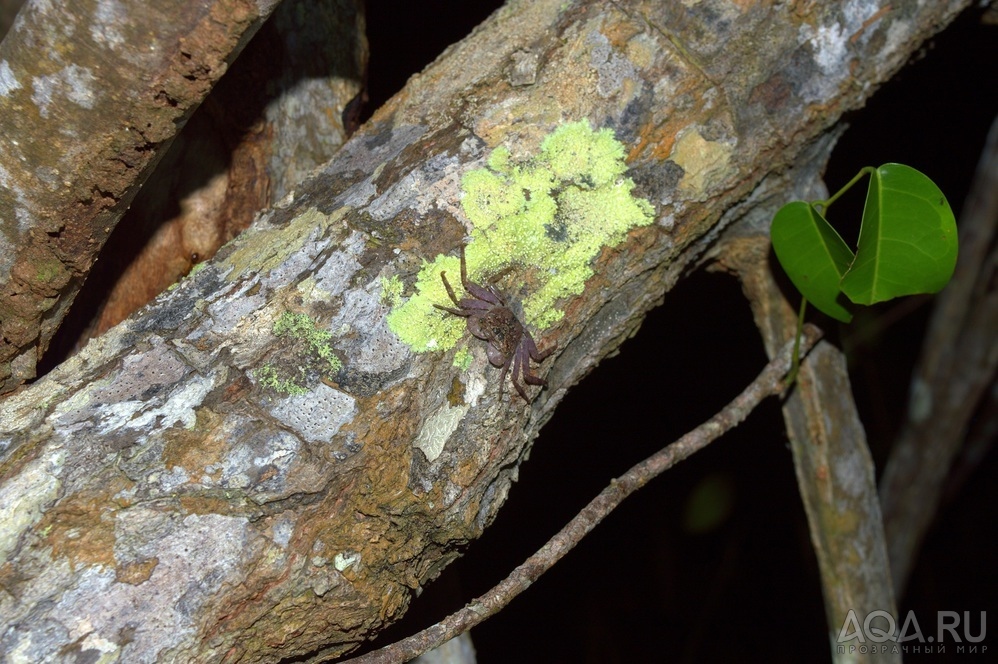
(712, 561)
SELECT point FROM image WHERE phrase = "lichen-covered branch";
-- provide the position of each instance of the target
(163, 499)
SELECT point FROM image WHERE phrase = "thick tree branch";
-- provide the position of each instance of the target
(91, 95)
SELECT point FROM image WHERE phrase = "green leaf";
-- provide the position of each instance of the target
(813, 256)
(907, 242)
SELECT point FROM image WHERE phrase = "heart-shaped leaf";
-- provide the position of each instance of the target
(907, 242)
(813, 255)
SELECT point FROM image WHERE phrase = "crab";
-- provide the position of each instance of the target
(491, 320)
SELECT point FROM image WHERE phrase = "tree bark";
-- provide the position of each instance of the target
(278, 113)
(91, 94)
(161, 503)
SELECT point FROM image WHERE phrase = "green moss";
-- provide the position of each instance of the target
(269, 377)
(547, 218)
(295, 365)
(303, 328)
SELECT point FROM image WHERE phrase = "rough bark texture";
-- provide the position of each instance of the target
(158, 502)
(276, 115)
(91, 93)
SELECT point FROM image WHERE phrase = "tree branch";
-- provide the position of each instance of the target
(956, 366)
(161, 499)
(768, 383)
(89, 102)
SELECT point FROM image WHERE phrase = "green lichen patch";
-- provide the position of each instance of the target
(417, 322)
(391, 290)
(295, 365)
(545, 218)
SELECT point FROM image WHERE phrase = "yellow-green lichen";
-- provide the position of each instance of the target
(462, 358)
(417, 322)
(546, 218)
(391, 290)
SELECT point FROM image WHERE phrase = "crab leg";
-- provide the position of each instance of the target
(517, 370)
(486, 294)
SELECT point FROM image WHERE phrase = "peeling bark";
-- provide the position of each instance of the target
(91, 93)
(160, 503)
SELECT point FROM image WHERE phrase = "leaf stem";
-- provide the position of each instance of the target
(795, 355)
(827, 203)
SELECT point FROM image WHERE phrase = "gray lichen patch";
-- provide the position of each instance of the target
(335, 273)
(437, 430)
(372, 347)
(176, 409)
(423, 188)
(318, 415)
(150, 390)
(228, 312)
(187, 575)
(23, 499)
(72, 83)
(154, 564)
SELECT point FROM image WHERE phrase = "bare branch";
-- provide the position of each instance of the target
(90, 97)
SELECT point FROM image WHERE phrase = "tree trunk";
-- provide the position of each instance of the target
(259, 467)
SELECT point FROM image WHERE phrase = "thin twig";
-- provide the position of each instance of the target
(768, 383)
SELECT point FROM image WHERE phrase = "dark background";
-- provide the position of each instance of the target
(712, 561)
